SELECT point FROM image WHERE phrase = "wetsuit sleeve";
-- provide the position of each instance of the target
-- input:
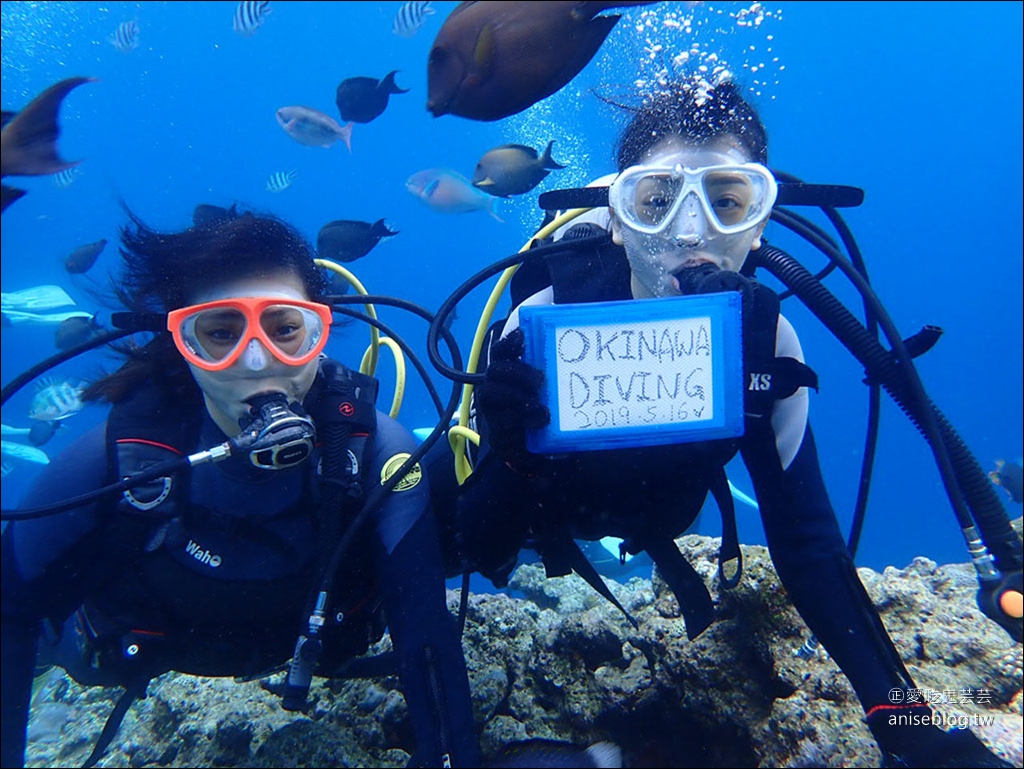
(811, 558)
(423, 631)
(817, 571)
(47, 565)
(807, 547)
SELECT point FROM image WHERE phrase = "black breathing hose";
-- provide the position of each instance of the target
(882, 366)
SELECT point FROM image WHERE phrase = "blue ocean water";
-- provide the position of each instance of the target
(918, 103)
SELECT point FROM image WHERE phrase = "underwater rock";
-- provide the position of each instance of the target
(563, 663)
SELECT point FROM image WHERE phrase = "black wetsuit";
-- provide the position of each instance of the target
(594, 494)
(227, 591)
(650, 495)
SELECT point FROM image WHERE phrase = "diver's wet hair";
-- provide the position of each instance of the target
(165, 271)
(698, 115)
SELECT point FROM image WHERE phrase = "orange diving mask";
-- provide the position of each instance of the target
(213, 335)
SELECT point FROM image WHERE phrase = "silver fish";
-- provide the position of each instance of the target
(313, 128)
(249, 16)
(55, 400)
(280, 181)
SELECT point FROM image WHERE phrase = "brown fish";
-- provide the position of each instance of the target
(513, 169)
(84, 257)
(76, 331)
(28, 142)
(494, 59)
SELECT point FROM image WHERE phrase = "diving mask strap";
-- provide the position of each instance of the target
(790, 194)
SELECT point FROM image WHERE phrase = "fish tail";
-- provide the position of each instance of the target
(546, 161)
(380, 229)
(9, 195)
(346, 135)
(32, 134)
(491, 211)
(388, 83)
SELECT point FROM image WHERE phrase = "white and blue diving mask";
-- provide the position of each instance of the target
(734, 197)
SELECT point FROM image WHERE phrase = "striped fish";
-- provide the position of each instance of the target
(410, 18)
(249, 16)
(66, 178)
(55, 400)
(126, 38)
(280, 181)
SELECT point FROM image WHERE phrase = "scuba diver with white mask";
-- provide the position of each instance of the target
(684, 217)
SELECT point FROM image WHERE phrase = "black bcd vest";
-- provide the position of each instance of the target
(148, 429)
(602, 273)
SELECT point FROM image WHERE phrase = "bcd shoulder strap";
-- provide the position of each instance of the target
(767, 377)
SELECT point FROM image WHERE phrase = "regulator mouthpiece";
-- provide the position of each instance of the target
(276, 435)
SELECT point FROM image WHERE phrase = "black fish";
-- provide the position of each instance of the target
(361, 99)
(41, 432)
(28, 142)
(84, 257)
(494, 59)
(75, 331)
(206, 214)
(1010, 476)
(555, 753)
(346, 240)
(513, 169)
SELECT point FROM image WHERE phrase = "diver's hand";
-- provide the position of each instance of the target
(917, 743)
(509, 401)
(1001, 602)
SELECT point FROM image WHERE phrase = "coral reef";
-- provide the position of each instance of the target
(561, 662)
